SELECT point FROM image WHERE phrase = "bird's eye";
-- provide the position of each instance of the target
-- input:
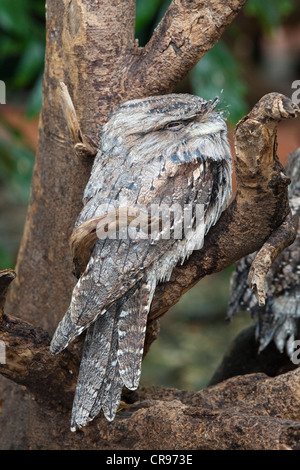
(174, 125)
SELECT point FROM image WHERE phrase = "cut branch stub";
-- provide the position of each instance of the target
(83, 145)
(6, 277)
(255, 139)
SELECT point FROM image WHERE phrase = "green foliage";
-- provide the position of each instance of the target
(218, 74)
(148, 15)
(22, 39)
(16, 164)
(22, 50)
(269, 12)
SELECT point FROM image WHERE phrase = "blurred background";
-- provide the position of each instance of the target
(259, 53)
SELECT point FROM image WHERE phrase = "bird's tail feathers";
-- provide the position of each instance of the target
(67, 331)
(98, 375)
(112, 356)
(131, 333)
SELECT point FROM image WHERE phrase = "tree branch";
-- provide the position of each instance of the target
(259, 207)
(251, 412)
(187, 31)
(28, 360)
(280, 239)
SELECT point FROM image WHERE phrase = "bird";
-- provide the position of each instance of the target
(278, 320)
(156, 154)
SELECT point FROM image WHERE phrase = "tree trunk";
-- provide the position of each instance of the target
(91, 48)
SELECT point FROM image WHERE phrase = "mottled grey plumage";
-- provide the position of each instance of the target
(279, 319)
(167, 150)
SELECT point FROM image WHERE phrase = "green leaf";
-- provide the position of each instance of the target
(6, 258)
(15, 17)
(34, 102)
(31, 63)
(16, 166)
(145, 12)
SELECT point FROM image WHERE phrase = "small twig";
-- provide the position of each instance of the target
(83, 145)
(280, 239)
(259, 127)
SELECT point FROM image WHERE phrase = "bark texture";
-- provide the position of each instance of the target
(91, 48)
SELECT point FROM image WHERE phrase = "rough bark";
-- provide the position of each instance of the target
(91, 48)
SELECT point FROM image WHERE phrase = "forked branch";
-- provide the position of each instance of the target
(259, 213)
(187, 31)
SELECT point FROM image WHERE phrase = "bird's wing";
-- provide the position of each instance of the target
(115, 266)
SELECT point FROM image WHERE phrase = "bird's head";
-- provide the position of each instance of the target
(161, 123)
